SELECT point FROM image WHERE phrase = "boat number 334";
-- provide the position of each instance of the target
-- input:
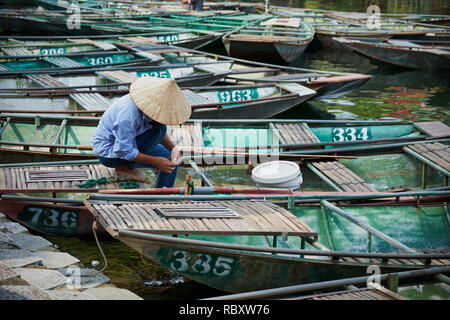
(351, 134)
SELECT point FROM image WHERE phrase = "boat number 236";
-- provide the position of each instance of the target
(183, 261)
(350, 134)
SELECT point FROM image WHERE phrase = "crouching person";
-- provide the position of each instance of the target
(132, 133)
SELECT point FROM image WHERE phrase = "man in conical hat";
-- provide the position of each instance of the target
(132, 132)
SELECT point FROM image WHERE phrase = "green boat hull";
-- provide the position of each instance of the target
(243, 270)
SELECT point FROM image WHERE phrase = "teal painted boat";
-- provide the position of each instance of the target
(13, 65)
(224, 256)
(191, 68)
(298, 136)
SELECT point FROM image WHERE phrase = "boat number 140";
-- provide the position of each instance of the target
(183, 261)
(350, 134)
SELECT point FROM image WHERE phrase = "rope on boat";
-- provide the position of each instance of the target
(123, 182)
(94, 227)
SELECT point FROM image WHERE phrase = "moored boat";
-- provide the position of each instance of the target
(272, 40)
(56, 136)
(403, 53)
(230, 253)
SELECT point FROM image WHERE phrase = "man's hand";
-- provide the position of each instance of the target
(175, 156)
(163, 164)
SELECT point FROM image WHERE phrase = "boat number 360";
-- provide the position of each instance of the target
(100, 60)
(183, 261)
(350, 134)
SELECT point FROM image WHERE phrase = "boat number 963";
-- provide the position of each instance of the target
(350, 134)
(236, 95)
(182, 261)
(100, 60)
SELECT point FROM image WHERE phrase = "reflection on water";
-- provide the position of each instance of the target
(393, 92)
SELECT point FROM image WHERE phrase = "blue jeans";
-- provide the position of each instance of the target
(148, 143)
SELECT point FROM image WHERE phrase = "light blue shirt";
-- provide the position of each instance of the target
(115, 136)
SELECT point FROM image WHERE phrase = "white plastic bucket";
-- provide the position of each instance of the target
(278, 175)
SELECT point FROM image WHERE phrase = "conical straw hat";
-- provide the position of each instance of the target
(161, 100)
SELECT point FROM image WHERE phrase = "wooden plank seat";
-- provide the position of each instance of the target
(437, 153)
(187, 135)
(200, 217)
(16, 51)
(63, 62)
(59, 178)
(343, 177)
(195, 99)
(433, 128)
(410, 262)
(45, 80)
(295, 133)
(119, 76)
(100, 44)
(91, 101)
(372, 293)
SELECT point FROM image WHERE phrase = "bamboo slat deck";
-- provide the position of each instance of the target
(411, 262)
(99, 44)
(118, 76)
(253, 218)
(343, 177)
(89, 101)
(14, 179)
(186, 135)
(16, 51)
(437, 153)
(378, 293)
(296, 133)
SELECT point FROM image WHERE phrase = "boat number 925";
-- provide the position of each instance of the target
(350, 134)
(200, 263)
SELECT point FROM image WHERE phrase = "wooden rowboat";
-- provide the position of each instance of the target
(274, 39)
(403, 53)
(90, 62)
(211, 102)
(255, 245)
(58, 137)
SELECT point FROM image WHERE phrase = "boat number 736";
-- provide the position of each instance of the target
(350, 134)
(52, 217)
(201, 263)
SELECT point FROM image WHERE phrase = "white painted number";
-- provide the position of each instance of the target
(202, 265)
(350, 134)
(100, 60)
(222, 266)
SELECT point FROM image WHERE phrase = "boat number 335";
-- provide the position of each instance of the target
(200, 263)
(350, 134)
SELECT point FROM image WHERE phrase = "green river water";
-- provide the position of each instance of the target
(392, 93)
